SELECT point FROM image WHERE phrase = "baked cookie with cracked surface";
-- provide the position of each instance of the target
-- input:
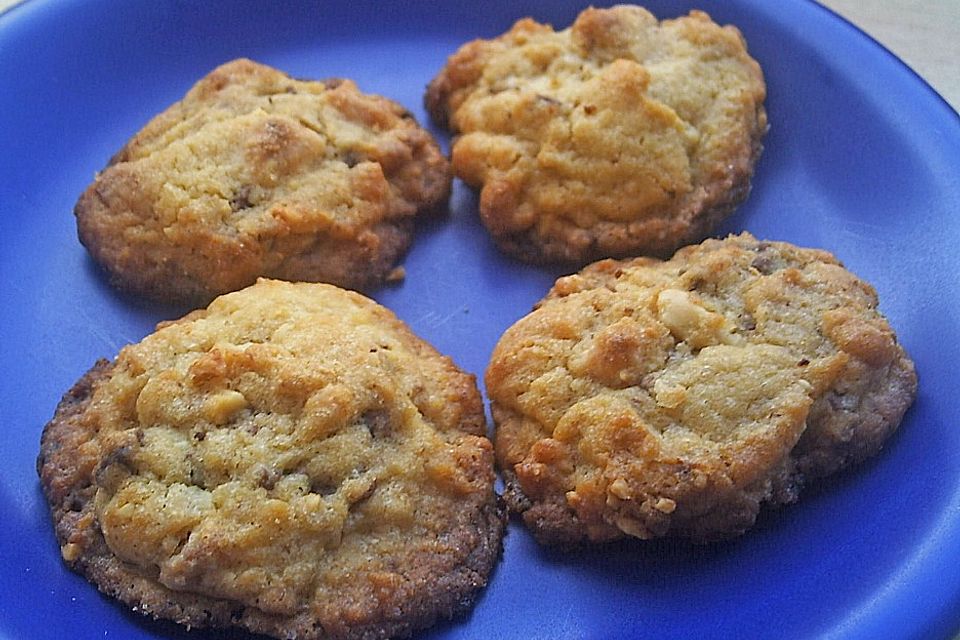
(618, 136)
(647, 398)
(291, 460)
(254, 174)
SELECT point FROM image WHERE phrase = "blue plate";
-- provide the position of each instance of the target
(862, 159)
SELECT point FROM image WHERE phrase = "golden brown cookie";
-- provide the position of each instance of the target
(254, 174)
(618, 136)
(646, 398)
(291, 460)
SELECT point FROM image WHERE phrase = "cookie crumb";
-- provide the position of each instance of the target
(397, 274)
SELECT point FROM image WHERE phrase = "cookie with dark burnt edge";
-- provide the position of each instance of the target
(254, 173)
(211, 480)
(619, 136)
(645, 398)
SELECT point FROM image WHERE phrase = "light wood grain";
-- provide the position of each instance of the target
(923, 33)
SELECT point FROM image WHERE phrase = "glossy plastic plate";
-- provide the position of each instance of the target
(862, 159)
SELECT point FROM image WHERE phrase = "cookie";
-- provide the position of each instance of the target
(255, 174)
(616, 137)
(291, 460)
(646, 398)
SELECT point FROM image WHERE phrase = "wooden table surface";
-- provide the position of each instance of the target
(923, 33)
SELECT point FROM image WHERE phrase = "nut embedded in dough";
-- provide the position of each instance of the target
(618, 136)
(291, 460)
(646, 399)
(254, 173)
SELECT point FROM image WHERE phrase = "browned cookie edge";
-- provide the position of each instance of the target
(68, 487)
